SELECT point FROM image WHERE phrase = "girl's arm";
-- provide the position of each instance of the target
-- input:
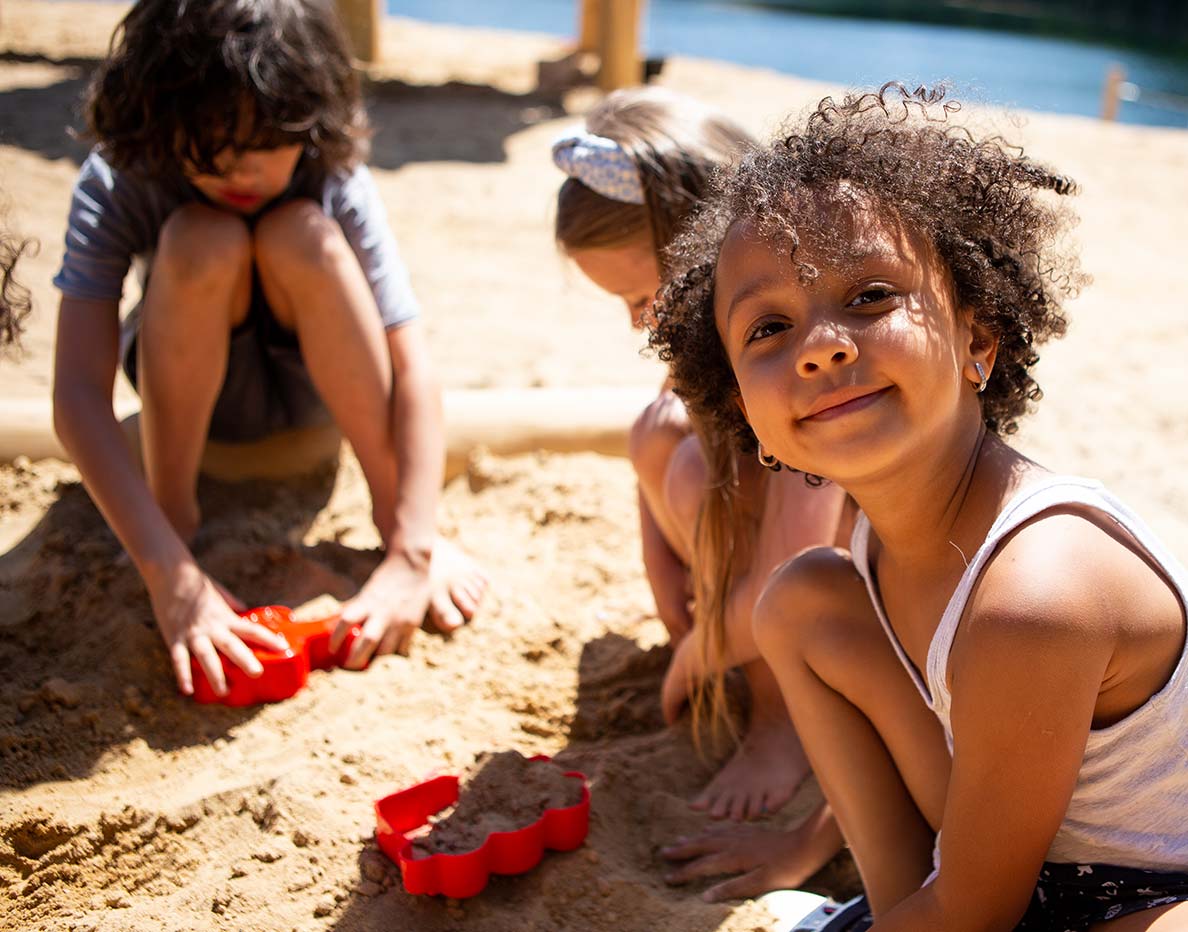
(192, 613)
(392, 603)
(1037, 643)
(667, 576)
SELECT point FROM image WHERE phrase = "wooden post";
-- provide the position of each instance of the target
(618, 42)
(1111, 93)
(362, 20)
(589, 23)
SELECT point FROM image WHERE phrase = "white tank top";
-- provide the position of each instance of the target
(1130, 805)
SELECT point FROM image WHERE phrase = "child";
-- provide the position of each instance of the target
(1003, 656)
(636, 171)
(230, 140)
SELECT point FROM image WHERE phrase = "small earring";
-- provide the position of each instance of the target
(767, 460)
(982, 376)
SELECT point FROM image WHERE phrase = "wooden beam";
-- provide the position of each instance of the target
(362, 19)
(589, 24)
(618, 40)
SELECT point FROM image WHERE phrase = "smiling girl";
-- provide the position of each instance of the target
(999, 668)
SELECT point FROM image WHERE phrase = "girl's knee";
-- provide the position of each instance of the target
(297, 233)
(654, 438)
(815, 601)
(684, 481)
(197, 242)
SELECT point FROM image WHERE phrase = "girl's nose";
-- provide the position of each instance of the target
(826, 345)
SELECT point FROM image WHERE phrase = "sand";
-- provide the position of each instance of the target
(124, 806)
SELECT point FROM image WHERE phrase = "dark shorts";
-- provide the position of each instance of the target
(267, 387)
(1072, 897)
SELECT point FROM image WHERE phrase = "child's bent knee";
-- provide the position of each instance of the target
(197, 240)
(685, 480)
(805, 597)
(298, 231)
(651, 444)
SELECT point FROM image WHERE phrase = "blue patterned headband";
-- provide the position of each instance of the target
(600, 164)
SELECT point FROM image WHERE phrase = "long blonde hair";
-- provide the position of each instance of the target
(677, 144)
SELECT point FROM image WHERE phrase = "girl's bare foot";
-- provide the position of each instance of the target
(457, 585)
(761, 777)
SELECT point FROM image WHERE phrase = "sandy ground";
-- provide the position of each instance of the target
(124, 806)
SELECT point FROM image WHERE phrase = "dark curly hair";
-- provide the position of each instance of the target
(976, 201)
(15, 302)
(185, 79)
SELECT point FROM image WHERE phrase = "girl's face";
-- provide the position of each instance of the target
(629, 272)
(846, 374)
(248, 180)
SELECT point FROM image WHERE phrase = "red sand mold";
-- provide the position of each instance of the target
(464, 875)
(285, 672)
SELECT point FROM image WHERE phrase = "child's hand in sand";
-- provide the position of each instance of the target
(198, 617)
(389, 609)
(674, 693)
(761, 858)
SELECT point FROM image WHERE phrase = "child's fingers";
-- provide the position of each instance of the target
(239, 654)
(212, 665)
(181, 668)
(365, 644)
(353, 613)
(257, 634)
(390, 643)
(744, 887)
(688, 848)
(713, 864)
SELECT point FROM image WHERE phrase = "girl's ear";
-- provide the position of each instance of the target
(982, 349)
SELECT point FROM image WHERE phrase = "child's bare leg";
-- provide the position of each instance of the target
(315, 287)
(1173, 918)
(876, 749)
(198, 292)
(655, 437)
(768, 766)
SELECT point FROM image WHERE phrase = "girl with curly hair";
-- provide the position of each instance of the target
(713, 524)
(991, 685)
(228, 171)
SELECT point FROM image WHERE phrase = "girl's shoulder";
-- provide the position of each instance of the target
(1067, 556)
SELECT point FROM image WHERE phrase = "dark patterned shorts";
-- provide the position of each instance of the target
(1071, 897)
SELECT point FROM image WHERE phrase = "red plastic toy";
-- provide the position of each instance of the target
(286, 671)
(463, 875)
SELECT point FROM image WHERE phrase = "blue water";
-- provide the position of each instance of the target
(997, 67)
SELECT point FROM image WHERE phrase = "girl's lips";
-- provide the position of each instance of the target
(239, 198)
(846, 406)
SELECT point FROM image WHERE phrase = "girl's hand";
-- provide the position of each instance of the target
(197, 617)
(675, 691)
(389, 609)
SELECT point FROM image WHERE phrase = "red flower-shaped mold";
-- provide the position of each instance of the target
(285, 671)
(466, 874)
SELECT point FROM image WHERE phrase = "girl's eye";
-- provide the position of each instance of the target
(872, 296)
(765, 328)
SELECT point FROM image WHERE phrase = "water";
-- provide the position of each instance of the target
(1021, 71)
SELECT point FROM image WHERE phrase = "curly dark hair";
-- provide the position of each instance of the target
(185, 79)
(977, 202)
(15, 302)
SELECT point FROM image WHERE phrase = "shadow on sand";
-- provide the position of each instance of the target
(83, 668)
